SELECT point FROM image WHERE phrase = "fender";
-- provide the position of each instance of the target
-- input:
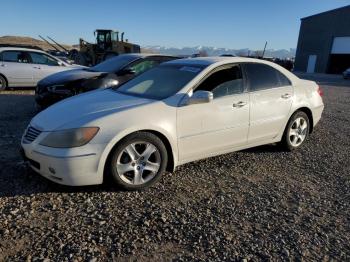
(126, 132)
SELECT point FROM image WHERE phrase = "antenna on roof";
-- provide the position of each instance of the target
(48, 43)
(264, 50)
(65, 49)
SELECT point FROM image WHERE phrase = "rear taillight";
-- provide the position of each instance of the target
(319, 91)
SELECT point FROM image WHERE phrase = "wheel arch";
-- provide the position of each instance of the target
(6, 80)
(104, 161)
(308, 112)
(171, 162)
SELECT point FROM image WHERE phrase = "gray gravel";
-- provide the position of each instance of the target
(258, 204)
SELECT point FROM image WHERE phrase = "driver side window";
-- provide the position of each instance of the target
(38, 58)
(143, 66)
(225, 82)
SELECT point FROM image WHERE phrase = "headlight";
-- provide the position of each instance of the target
(110, 82)
(70, 137)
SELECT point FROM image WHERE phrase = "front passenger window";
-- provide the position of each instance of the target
(42, 59)
(225, 82)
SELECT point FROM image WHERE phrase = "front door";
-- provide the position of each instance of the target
(43, 66)
(218, 126)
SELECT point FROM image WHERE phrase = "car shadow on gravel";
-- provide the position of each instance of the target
(18, 179)
(270, 148)
(16, 89)
(21, 180)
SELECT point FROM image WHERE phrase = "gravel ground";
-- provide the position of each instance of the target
(257, 204)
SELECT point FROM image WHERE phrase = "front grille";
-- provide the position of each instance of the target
(31, 134)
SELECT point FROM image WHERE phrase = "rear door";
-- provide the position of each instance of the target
(271, 95)
(16, 68)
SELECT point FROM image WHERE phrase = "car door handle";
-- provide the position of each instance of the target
(37, 67)
(3, 65)
(239, 104)
(286, 96)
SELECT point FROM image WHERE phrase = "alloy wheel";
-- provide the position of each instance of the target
(138, 163)
(298, 131)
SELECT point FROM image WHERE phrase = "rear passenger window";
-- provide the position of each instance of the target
(224, 82)
(284, 81)
(15, 56)
(262, 77)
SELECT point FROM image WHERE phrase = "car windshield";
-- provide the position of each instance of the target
(160, 82)
(113, 64)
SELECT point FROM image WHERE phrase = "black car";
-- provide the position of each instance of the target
(111, 72)
(346, 74)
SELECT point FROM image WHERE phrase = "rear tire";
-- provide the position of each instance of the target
(296, 132)
(138, 161)
(3, 83)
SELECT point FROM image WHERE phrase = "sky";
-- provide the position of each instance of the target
(171, 23)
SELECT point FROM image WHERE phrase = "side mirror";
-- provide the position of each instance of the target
(200, 97)
(126, 71)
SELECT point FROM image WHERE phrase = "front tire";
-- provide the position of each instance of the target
(297, 131)
(3, 83)
(138, 161)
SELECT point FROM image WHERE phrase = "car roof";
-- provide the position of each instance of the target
(20, 49)
(143, 55)
(214, 61)
(206, 61)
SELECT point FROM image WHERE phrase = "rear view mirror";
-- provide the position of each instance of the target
(200, 97)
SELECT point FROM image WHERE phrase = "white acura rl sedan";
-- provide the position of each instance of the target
(181, 111)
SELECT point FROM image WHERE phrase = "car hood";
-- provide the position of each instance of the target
(69, 75)
(77, 110)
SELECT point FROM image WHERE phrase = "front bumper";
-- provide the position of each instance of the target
(45, 97)
(71, 166)
(48, 98)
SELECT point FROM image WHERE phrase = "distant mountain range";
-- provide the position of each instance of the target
(211, 51)
(214, 51)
